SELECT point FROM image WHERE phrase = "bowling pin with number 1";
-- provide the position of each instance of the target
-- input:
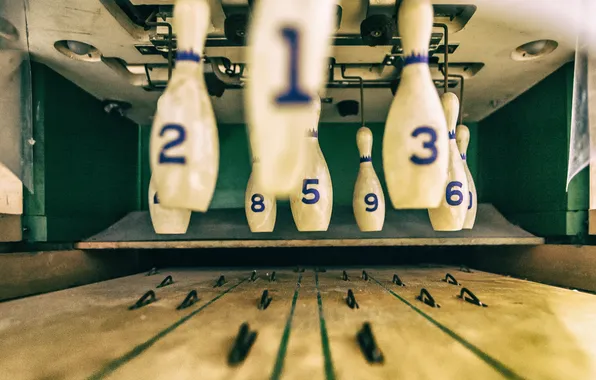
(184, 142)
(415, 149)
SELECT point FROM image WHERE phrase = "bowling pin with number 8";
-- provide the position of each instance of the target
(260, 207)
(184, 142)
(368, 201)
(415, 149)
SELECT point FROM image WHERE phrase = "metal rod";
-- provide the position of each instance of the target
(445, 53)
(170, 43)
(343, 69)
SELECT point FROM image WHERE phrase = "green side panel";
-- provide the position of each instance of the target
(523, 152)
(88, 158)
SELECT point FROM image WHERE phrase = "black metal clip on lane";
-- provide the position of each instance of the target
(272, 277)
(220, 281)
(427, 298)
(397, 281)
(320, 270)
(152, 271)
(253, 276)
(191, 298)
(364, 275)
(265, 300)
(465, 269)
(145, 300)
(470, 297)
(344, 276)
(298, 269)
(450, 280)
(242, 344)
(351, 300)
(166, 281)
(368, 345)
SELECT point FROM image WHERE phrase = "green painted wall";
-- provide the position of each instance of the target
(523, 152)
(85, 162)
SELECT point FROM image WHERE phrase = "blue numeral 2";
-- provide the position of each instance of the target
(293, 95)
(163, 157)
(430, 145)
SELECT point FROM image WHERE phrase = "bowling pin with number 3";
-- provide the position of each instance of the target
(451, 213)
(288, 52)
(415, 149)
(184, 142)
(368, 201)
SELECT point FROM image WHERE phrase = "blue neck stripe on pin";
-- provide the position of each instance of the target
(188, 56)
(366, 159)
(463, 156)
(451, 135)
(415, 58)
(312, 133)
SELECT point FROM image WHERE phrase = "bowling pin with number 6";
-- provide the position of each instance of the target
(166, 220)
(368, 201)
(462, 137)
(451, 213)
(288, 52)
(260, 207)
(184, 142)
(415, 148)
(312, 201)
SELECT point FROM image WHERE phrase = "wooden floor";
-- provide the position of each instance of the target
(228, 228)
(527, 331)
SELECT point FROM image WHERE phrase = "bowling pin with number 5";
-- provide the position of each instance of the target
(184, 142)
(368, 201)
(462, 137)
(288, 52)
(260, 207)
(166, 220)
(451, 213)
(312, 200)
(415, 148)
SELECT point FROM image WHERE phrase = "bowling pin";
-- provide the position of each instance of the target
(11, 192)
(415, 148)
(260, 207)
(451, 213)
(312, 200)
(288, 52)
(166, 220)
(368, 201)
(184, 147)
(462, 137)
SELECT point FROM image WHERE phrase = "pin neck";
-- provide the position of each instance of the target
(463, 156)
(415, 58)
(452, 135)
(365, 159)
(312, 133)
(188, 56)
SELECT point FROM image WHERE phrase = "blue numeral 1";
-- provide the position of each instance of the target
(293, 95)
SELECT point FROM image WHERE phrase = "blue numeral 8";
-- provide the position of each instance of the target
(258, 204)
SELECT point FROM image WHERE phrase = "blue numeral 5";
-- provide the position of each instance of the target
(163, 157)
(307, 191)
(430, 145)
(293, 95)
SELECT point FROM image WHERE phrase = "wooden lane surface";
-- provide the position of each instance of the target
(536, 331)
(74, 333)
(199, 349)
(412, 347)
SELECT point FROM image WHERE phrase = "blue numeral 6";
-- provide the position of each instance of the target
(450, 193)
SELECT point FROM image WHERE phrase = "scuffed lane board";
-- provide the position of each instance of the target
(222, 228)
(74, 333)
(412, 347)
(536, 331)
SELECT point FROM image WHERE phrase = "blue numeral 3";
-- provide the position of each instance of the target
(371, 200)
(163, 157)
(293, 95)
(430, 145)
(307, 191)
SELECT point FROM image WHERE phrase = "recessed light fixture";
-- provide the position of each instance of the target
(77, 50)
(533, 50)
